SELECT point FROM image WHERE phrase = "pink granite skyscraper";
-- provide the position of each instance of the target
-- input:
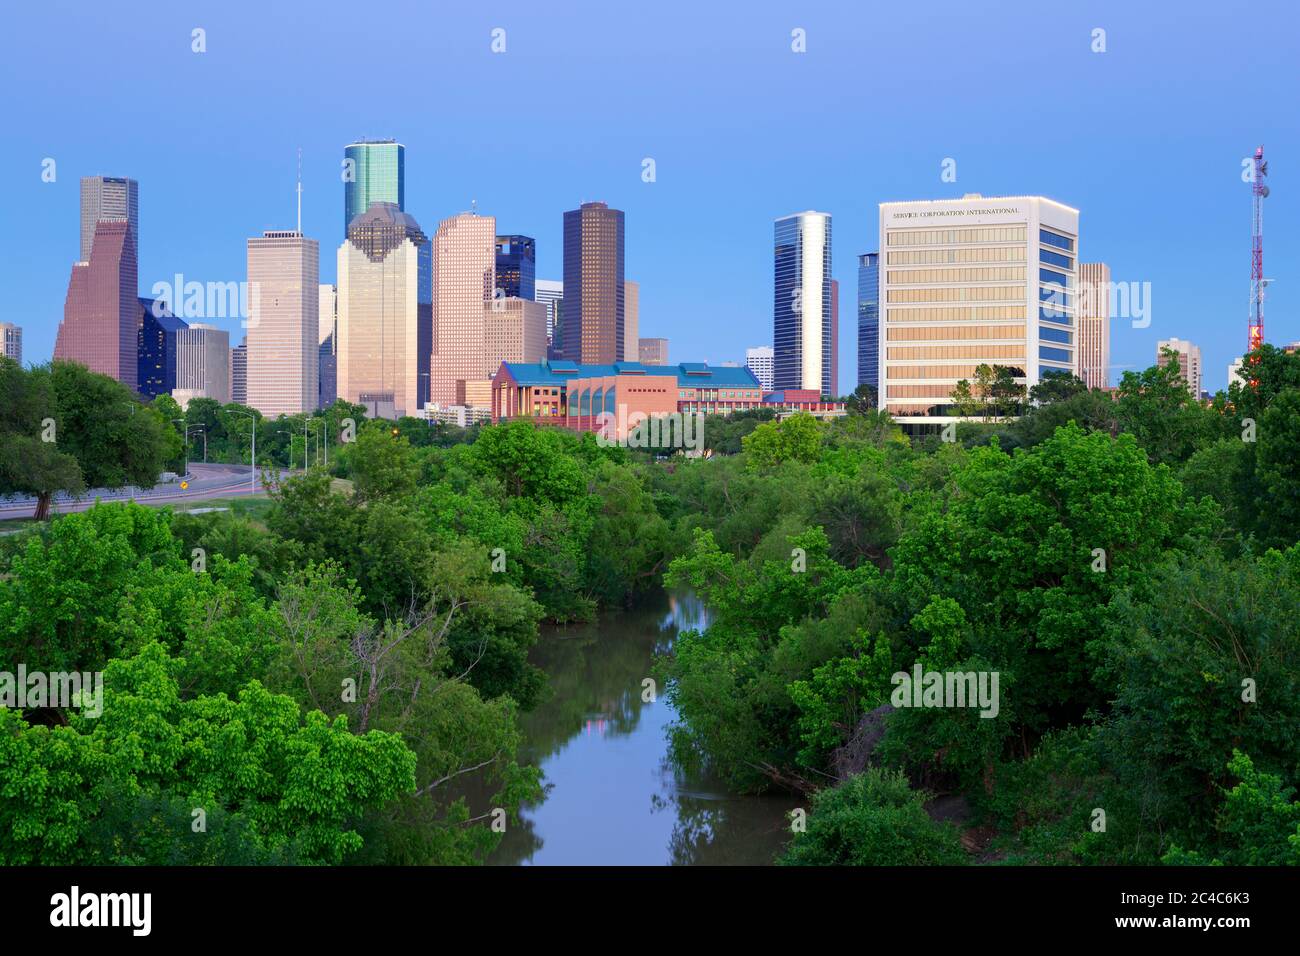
(101, 310)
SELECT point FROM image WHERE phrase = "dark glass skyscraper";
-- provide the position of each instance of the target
(375, 171)
(802, 307)
(517, 267)
(593, 284)
(156, 348)
(869, 320)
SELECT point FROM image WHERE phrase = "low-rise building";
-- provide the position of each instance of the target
(577, 395)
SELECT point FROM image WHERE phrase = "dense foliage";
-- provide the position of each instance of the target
(317, 687)
(323, 683)
(1125, 564)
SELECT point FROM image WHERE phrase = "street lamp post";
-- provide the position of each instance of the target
(252, 455)
(289, 432)
(185, 469)
(203, 429)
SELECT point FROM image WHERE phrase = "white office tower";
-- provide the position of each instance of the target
(969, 282)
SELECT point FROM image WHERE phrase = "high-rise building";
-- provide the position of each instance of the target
(373, 171)
(869, 320)
(759, 360)
(801, 314)
(101, 311)
(239, 374)
(1093, 312)
(11, 341)
(514, 330)
(156, 333)
(516, 267)
(631, 320)
(283, 323)
(203, 356)
(551, 294)
(464, 263)
(652, 351)
(1234, 371)
(969, 282)
(327, 375)
(1189, 361)
(835, 338)
(385, 313)
(107, 199)
(593, 284)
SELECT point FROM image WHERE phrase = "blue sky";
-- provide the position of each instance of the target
(1145, 139)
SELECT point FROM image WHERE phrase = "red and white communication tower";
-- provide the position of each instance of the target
(1259, 192)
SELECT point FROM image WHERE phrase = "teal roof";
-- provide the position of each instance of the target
(689, 374)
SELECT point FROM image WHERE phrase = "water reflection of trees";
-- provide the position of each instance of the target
(595, 673)
(714, 828)
(595, 670)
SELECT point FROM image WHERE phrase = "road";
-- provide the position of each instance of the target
(205, 482)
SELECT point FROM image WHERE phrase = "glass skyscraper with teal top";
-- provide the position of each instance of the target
(374, 171)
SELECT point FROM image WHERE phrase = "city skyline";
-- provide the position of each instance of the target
(189, 227)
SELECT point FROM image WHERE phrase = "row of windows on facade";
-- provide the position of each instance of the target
(974, 274)
(931, 257)
(954, 372)
(938, 395)
(951, 314)
(931, 237)
(991, 293)
(1009, 351)
(940, 332)
(937, 237)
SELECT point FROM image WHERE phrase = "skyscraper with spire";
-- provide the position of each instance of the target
(283, 343)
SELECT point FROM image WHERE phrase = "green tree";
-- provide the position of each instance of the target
(28, 463)
(116, 440)
(381, 464)
(1277, 470)
(298, 780)
(964, 399)
(1258, 825)
(874, 819)
(1158, 409)
(796, 438)
(862, 400)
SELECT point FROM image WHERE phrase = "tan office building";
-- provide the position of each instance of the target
(631, 320)
(1189, 361)
(652, 351)
(283, 319)
(384, 313)
(972, 281)
(464, 277)
(514, 330)
(1092, 356)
